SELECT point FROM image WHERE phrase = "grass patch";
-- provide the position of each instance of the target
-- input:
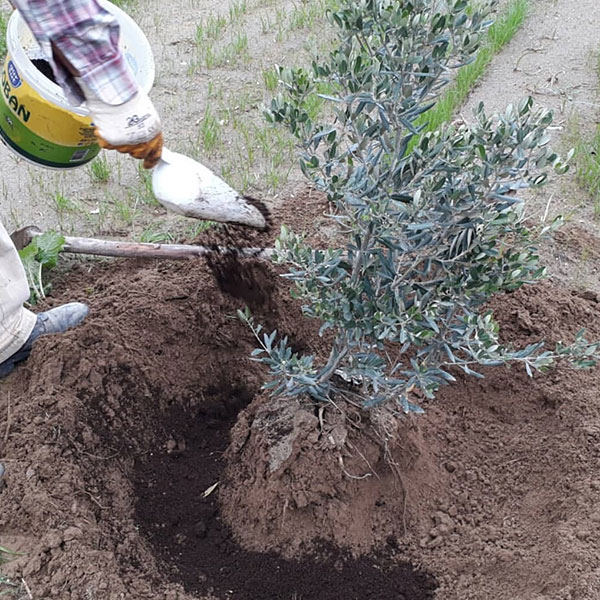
(586, 157)
(126, 5)
(587, 166)
(211, 28)
(144, 192)
(305, 15)
(99, 169)
(237, 10)
(270, 79)
(210, 131)
(500, 33)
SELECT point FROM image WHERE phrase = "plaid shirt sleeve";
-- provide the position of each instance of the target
(88, 37)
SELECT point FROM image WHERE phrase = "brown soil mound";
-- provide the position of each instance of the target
(495, 489)
(114, 434)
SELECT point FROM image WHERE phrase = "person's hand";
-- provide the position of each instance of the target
(133, 127)
(150, 152)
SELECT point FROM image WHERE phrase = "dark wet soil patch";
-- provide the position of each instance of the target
(177, 512)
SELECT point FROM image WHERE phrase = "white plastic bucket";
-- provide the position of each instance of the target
(36, 120)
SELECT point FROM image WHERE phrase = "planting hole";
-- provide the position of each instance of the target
(144, 396)
(178, 513)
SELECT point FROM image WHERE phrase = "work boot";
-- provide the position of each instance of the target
(55, 320)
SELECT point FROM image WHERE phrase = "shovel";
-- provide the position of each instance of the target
(192, 190)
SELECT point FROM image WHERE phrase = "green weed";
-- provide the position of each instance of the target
(3, 24)
(124, 210)
(305, 15)
(12, 589)
(239, 46)
(270, 79)
(232, 53)
(237, 9)
(37, 257)
(211, 28)
(195, 229)
(265, 24)
(125, 5)
(145, 193)
(99, 169)
(156, 235)
(586, 155)
(280, 17)
(62, 204)
(210, 131)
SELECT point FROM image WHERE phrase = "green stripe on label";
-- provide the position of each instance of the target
(39, 150)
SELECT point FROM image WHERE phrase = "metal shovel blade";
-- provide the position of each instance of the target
(190, 189)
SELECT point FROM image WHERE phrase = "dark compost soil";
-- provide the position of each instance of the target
(115, 434)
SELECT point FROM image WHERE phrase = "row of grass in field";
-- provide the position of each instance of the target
(508, 22)
(586, 146)
(587, 162)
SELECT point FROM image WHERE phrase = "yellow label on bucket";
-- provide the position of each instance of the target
(48, 121)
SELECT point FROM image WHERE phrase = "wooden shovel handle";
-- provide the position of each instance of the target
(80, 245)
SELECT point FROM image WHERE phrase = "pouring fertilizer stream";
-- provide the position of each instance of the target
(102, 70)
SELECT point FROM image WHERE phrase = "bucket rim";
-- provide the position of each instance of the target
(51, 91)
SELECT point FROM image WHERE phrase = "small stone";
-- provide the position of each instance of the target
(582, 534)
(54, 539)
(38, 420)
(595, 517)
(442, 517)
(504, 554)
(72, 533)
(471, 476)
(450, 466)
(441, 530)
(591, 296)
